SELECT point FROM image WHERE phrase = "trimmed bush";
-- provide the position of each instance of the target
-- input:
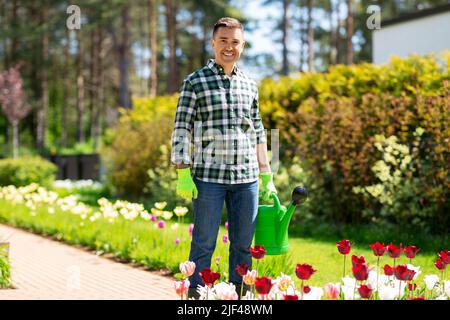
(26, 170)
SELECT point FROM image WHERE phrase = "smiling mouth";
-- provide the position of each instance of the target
(228, 54)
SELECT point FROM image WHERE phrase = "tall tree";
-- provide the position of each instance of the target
(42, 111)
(124, 59)
(12, 100)
(310, 36)
(80, 89)
(349, 32)
(284, 41)
(171, 27)
(153, 25)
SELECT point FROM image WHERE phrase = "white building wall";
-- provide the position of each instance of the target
(422, 36)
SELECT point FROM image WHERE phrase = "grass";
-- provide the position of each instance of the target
(142, 242)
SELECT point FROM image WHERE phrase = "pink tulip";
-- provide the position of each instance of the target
(153, 218)
(161, 224)
(225, 239)
(250, 278)
(187, 268)
(191, 227)
(177, 240)
(182, 287)
(226, 225)
(332, 291)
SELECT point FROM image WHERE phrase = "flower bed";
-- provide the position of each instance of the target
(153, 239)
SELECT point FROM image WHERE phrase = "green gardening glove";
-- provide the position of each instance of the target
(267, 186)
(185, 185)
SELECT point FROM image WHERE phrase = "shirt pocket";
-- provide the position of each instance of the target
(244, 104)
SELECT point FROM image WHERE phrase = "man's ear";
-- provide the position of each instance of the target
(212, 43)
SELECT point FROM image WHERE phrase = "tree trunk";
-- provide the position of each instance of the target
(43, 109)
(124, 97)
(285, 27)
(333, 50)
(66, 91)
(100, 90)
(301, 32)
(204, 46)
(172, 78)
(14, 38)
(152, 22)
(349, 32)
(15, 143)
(94, 78)
(4, 25)
(80, 90)
(310, 38)
(338, 33)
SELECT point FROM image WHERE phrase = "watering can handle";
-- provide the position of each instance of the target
(276, 201)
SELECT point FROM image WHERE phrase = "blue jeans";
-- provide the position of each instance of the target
(242, 207)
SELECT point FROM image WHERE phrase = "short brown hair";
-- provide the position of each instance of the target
(227, 22)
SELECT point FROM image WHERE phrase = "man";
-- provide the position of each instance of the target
(218, 107)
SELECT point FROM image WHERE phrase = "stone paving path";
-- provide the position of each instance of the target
(45, 269)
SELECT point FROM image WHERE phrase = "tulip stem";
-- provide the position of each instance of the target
(378, 271)
(302, 289)
(242, 287)
(344, 264)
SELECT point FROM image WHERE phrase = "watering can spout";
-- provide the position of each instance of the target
(299, 195)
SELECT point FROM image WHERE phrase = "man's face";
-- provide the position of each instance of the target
(228, 44)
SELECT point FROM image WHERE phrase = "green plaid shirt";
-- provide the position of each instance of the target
(217, 126)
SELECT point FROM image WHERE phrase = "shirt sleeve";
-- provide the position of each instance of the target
(184, 123)
(257, 122)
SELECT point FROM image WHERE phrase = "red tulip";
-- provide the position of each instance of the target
(412, 286)
(388, 270)
(356, 260)
(290, 297)
(402, 272)
(258, 252)
(263, 285)
(304, 271)
(242, 269)
(411, 251)
(440, 264)
(361, 271)
(394, 252)
(445, 256)
(306, 289)
(365, 291)
(209, 277)
(344, 246)
(378, 249)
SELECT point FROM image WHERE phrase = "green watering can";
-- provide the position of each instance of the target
(272, 222)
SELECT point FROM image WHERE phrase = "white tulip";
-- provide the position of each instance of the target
(431, 280)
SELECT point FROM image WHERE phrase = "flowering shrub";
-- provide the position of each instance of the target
(330, 121)
(148, 125)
